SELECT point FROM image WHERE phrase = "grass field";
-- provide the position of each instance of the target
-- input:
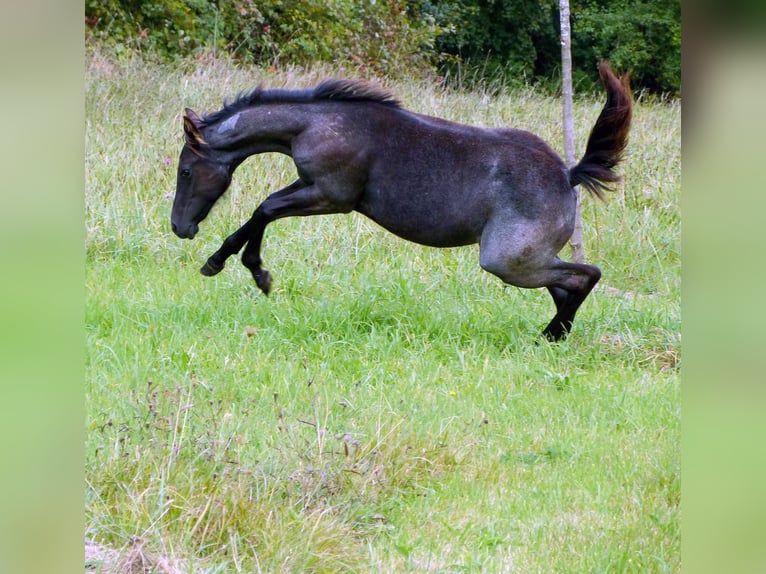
(389, 407)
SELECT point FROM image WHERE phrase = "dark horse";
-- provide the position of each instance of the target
(425, 179)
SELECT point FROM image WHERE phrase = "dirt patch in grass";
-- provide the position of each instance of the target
(134, 559)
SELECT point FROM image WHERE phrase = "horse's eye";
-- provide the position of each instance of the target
(186, 172)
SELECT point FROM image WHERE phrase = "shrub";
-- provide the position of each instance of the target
(501, 41)
(383, 36)
(520, 39)
(643, 36)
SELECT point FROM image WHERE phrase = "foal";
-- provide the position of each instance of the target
(425, 179)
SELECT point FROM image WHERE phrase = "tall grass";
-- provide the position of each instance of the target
(389, 407)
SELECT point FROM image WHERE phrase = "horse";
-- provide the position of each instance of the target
(425, 179)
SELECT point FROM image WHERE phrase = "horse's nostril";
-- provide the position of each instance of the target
(174, 227)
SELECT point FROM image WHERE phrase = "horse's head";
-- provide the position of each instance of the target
(201, 180)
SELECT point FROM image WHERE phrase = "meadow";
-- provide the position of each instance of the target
(388, 407)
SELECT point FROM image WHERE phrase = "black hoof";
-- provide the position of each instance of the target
(210, 268)
(263, 280)
(556, 332)
(553, 337)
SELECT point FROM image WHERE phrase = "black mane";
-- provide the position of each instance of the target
(333, 89)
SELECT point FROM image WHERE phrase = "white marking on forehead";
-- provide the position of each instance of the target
(229, 125)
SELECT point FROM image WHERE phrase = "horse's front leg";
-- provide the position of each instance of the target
(300, 201)
(231, 245)
(234, 242)
(251, 257)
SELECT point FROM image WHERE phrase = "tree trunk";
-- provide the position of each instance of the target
(575, 242)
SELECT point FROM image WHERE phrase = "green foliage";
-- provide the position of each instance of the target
(638, 35)
(164, 27)
(510, 42)
(521, 37)
(383, 37)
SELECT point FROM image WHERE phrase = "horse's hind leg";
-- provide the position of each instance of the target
(573, 283)
(559, 295)
(528, 264)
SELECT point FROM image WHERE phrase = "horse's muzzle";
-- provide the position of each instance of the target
(185, 232)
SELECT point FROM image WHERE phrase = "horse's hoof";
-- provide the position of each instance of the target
(210, 268)
(555, 335)
(263, 280)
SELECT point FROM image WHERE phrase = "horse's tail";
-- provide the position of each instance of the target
(608, 137)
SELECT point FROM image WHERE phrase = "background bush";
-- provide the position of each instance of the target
(643, 36)
(467, 41)
(387, 37)
(520, 39)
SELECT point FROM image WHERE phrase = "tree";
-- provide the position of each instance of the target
(639, 36)
(518, 41)
(575, 242)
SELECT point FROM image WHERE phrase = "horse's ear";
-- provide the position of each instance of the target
(192, 116)
(192, 123)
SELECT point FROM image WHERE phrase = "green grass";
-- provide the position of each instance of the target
(389, 407)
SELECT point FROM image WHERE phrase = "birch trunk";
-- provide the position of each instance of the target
(575, 242)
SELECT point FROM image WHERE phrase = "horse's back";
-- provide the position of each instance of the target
(461, 158)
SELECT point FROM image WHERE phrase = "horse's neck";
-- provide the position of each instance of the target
(263, 128)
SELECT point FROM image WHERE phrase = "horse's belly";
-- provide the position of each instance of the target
(432, 227)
